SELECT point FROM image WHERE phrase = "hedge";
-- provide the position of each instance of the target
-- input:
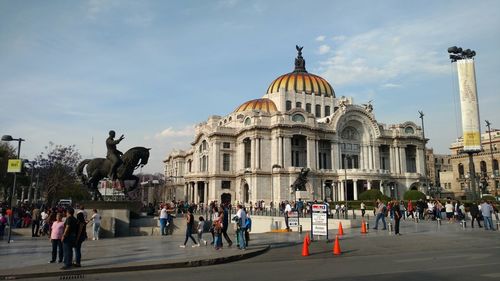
(414, 195)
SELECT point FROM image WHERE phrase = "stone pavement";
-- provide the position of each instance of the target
(28, 257)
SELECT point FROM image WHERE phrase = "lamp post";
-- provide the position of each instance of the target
(488, 124)
(19, 140)
(425, 150)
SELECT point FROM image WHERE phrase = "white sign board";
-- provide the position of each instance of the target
(293, 218)
(319, 220)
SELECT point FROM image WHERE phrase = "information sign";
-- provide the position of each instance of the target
(319, 220)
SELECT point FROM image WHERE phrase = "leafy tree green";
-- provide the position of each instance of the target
(413, 195)
(372, 195)
(57, 173)
(7, 151)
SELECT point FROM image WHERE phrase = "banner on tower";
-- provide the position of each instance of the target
(469, 105)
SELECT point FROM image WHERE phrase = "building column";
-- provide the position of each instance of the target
(403, 159)
(370, 157)
(195, 192)
(341, 190)
(206, 193)
(368, 184)
(280, 151)
(333, 149)
(382, 187)
(287, 150)
(186, 190)
(376, 157)
(364, 157)
(257, 152)
(355, 189)
(254, 154)
(392, 157)
(311, 159)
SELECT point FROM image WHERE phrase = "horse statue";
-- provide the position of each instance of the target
(300, 182)
(99, 168)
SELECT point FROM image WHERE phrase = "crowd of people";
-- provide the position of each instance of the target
(65, 230)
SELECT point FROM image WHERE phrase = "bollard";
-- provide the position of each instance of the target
(464, 224)
(367, 224)
(389, 227)
(300, 228)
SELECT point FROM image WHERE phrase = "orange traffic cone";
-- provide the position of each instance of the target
(341, 230)
(307, 239)
(305, 246)
(336, 246)
(363, 227)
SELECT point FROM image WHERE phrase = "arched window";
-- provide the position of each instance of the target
(248, 121)
(308, 107)
(409, 131)
(327, 110)
(288, 105)
(483, 168)
(461, 170)
(203, 157)
(298, 104)
(317, 111)
(495, 165)
(298, 118)
(299, 151)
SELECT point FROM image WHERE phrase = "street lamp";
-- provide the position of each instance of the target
(19, 140)
(488, 124)
(425, 149)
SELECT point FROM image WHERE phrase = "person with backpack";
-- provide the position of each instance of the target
(380, 213)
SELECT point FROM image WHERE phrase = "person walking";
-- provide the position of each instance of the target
(397, 216)
(96, 219)
(248, 228)
(80, 237)
(362, 206)
(410, 209)
(288, 209)
(474, 213)
(225, 224)
(56, 235)
(217, 229)
(163, 220)
(35, 221)
(380, 213)
(189, 229)
(201, 228)
(242, 218)
(69, 237)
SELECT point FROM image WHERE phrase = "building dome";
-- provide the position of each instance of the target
(300, 80)
(265, 105)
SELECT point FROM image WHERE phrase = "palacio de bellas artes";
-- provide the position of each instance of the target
(299, 125)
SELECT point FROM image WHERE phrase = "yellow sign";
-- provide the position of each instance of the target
(14, 166)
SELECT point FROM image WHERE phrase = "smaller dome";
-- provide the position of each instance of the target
(265, 105)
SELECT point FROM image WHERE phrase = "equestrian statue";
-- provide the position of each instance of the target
(117, 166)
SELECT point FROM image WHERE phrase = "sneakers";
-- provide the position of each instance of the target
(196, 245)
(182, 246)
(93, 238)
(230, 244)
(52, 261)
(205, 242)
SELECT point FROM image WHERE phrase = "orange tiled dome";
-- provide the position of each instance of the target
(301, 81)
(265, 105)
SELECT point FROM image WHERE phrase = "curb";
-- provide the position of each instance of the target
(79, 273)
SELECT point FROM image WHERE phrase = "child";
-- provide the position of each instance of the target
(201, 228)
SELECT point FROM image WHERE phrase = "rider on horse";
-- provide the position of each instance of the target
(113, 155)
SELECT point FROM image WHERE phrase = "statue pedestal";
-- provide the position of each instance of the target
(304, 195)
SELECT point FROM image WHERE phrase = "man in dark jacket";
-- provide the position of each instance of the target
(474, 213)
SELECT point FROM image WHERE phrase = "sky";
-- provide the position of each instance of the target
(70, 71)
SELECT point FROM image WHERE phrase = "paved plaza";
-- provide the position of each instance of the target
(27, 257)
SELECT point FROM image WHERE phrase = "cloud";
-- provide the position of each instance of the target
(339, 38)
(391, 85)
(323, 49)
(382, 54)
(170, 132)
(321, 38)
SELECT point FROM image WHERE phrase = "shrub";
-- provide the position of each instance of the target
(372, 195)
(489, 198)
(414, 195)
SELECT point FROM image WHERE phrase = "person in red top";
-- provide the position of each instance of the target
(410, 209)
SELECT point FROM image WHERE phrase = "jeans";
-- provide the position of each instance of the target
(78, 252)
(68, 250)
(189, 235)
(488, 223)
(56, 243)
(218, 240)
(396, 225)
(96, 229)
(163, 226)
(241, 237)
(380, 216)
(35, 224)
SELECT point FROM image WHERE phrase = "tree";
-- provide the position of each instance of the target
(7, 152)
(57, 173)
